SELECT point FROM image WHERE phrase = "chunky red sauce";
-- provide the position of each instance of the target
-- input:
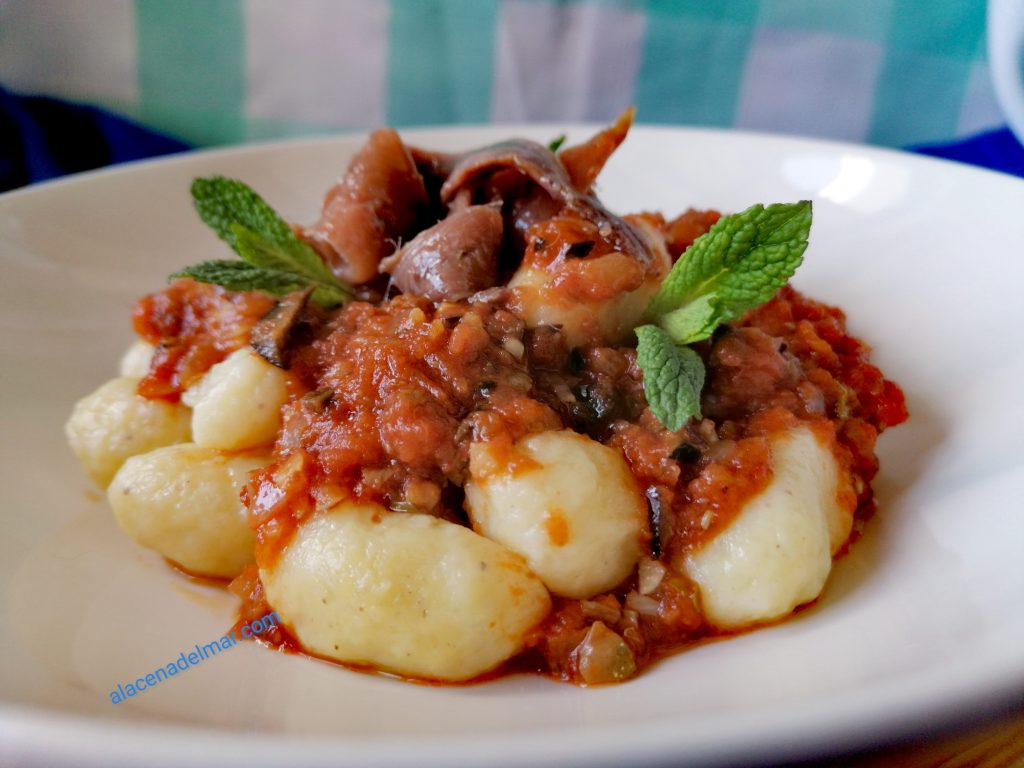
(387, 398)
(193, 327)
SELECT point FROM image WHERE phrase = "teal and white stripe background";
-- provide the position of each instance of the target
(890, 72)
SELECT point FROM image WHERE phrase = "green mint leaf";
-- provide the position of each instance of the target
(222, 202)
(240, 276)
(673, 377)
(741, 262)
(329, 296)
(253, 229)
(694, 321)
(288, 256)
(556, 143)
(275, 256)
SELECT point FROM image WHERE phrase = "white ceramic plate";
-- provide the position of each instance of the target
(923, 623)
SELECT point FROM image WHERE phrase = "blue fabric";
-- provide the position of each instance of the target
(43, 138)
(998, 150)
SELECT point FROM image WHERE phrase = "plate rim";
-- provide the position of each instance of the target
(28, 731)
(215, 152)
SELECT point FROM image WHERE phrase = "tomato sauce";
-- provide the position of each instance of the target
(386, 399)
(386, 396)
(193, 326)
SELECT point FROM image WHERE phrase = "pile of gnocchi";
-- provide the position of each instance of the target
(451, 458)
(174, 471)
(420, 596)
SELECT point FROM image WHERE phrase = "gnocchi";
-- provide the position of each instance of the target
(541, 299)
(137, 359)
(237, 404)
(572, 509)
(539, 304)
(184, 502)
(777, 553)
(114, 423)
(406, 593)
(442, 473)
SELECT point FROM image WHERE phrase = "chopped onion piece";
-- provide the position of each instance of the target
(563, 393)
(646, 606)
(649, 576)
(594, 609)
(514, 347)
(603, 656)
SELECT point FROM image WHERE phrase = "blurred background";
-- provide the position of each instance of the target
(90, 82)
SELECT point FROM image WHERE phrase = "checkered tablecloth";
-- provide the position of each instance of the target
(889, 72)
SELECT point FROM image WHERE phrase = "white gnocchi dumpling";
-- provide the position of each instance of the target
(183, 501)
(540, 300)
(777, 553)
(572, 509)
(405, 593)
(137, 359)
(237, 404)
(115, 423)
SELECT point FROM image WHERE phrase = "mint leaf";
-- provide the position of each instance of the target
(274, 258)
(329, 296)
(222, 202)
(693, 322)
(739, 264)
(556, 143)
(289, 256)
(240, 276)
(244, 221)
(673, 377)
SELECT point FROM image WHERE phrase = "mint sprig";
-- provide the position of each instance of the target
(241, 276)
(274, 259)
(737, 265)
(673, 376)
